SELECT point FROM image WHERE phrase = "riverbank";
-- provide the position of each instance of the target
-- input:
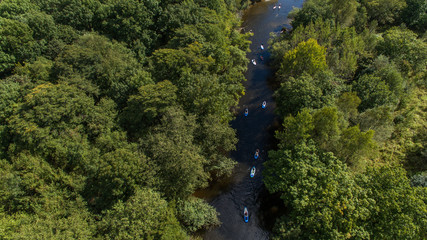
(256, 131)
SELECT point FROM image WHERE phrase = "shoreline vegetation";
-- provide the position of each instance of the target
(112, 113)
(351, 159)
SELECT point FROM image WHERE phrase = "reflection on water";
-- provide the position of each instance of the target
(230, 195)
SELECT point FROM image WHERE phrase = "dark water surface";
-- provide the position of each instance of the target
(255, 131)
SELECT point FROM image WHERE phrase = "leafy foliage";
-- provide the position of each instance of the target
(385, 11)
(145, 216)
(415, 15)
(312, 10)
(338, 167)
(119, 174)
(347, 104)
(402, 45)
(55, 121)
(216, 138)
(146, 108)
(298, 93)
(197, 214)
(307, 57)
(16, 43)
(106, 106)
(132, 22)
(306, 91)
(109, 65)
(343, 45)
(325, 202)
(328, 128)
(373, 91)
(296, 130)
(396, 205)
(171, 146)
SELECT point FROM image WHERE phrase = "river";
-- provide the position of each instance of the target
(255, 131)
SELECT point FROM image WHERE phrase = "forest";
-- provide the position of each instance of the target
(113, 112)
(351, 159)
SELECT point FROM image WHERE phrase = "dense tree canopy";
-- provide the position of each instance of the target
(144, 216)
(325, 202)
(353, 132)
(171, 146)
(109, 65)
(415, 15)
(306, 57)
(403, 46)
(112, 113)
(385, 11)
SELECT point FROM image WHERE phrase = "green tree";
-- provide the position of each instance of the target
(57, 122)
(402, 46)
(355, 145)
(171, 64)
(361, 18)
(216, 138)
(43, 25)
(64, 35)
(385, 11)
(13, 8)
(327, 127)
(133, 22)
(109, 65)
(323, 200)
(38, 200)
(80, 14)
(379, 119)
(419, 180)
(343, 45)
(57, 216)
(11, 191)
(344, 11)
(396, 206)
(10, 91)
(67, 168)
(409, 138)
(196, 214)
(204, 95)
(180, 13)
(296, 130)
(348, 103)
(144, 216)
(186, 35)
(324, 31)
(146, 108)
(415, 15)
(308, 91)
(307, 57)
(373, 91)
(16, 43)
(171, 146)
(118, 174)
(312, 10)
(298, 93)
(389, 73)
(39, 70)
(345, 50)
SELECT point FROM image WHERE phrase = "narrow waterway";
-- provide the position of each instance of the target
(254, 131)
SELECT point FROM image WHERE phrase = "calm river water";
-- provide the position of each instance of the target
(255, 131)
